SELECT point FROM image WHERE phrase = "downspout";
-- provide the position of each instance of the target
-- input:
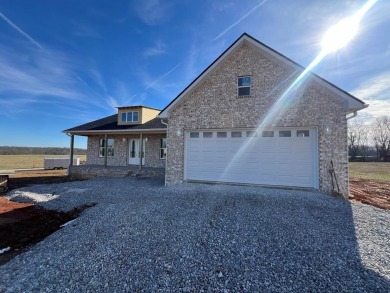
(166, 160)
(354, 114)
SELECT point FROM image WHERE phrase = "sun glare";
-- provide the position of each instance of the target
(340, 34)
(335, 38)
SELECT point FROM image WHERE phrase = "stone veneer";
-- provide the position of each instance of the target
(121, 149)
(214, 104)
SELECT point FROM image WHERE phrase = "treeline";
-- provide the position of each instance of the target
(14, 150)
(365, 140)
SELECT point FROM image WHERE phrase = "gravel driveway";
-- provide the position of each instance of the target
(142, 236)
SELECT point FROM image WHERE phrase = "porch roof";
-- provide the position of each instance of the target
(110, 125)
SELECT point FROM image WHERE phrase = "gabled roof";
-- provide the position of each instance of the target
(350, 102)
(110, 125)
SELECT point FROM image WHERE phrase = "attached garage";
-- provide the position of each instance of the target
(278, 157)
(213, 132)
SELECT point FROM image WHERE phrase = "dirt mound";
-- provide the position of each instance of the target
(376, 193)
(22, 224)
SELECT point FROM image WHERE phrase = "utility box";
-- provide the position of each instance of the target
(58, 163)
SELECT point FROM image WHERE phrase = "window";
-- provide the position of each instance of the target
(267, 133)
(130, 116)
(244, 86)
(194, 134)
(303, 133)
(207, 134)
(285, 133)
(102, 147)
(221, 134)
(251, 134)
(236, 134)
(163, 148)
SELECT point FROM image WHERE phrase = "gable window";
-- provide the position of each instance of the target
(130, 116)
(110, 147)
(244, 86)
(163, 148)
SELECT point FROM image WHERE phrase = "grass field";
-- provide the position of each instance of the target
(27, 161)
(357, 170)
(378, 171)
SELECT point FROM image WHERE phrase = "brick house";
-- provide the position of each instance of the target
(246, 119)
(114, 142)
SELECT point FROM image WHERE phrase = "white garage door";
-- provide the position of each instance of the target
(282, 157)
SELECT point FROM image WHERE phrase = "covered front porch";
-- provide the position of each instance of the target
(121, 154)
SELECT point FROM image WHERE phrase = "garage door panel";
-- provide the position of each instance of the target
(287, 161)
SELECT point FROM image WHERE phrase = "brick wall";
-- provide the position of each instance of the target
(214, 104)
(120, 158)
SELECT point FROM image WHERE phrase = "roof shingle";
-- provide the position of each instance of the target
(111, 123)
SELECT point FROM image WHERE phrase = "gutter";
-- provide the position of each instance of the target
(119, 131)
(354, 114)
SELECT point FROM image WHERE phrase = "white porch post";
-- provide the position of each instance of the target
(71, 153)
(105, 150)
(140, 151)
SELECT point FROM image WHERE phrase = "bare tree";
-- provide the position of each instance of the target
(357, 140)
(380, 133)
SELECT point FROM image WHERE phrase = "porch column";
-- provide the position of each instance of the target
(140, 151)
(105, 150)
(71, 153)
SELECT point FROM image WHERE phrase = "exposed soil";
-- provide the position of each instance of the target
(22, 224)
(375, 193)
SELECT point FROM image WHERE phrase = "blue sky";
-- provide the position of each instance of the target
(65, 63)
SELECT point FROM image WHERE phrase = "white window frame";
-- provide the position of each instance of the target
(244, 86)
(110, 147)
(163, 150)
(127, 116)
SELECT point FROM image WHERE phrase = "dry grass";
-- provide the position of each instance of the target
(38, 174)
(377, 171)
(27, 161)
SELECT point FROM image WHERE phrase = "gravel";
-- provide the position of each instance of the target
(144, 237)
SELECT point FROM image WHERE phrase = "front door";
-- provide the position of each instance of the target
(134, 153)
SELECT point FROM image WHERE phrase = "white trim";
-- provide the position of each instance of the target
(117, 131)
(349, 103)
(132, 114)
(314, 152)
(316, 158)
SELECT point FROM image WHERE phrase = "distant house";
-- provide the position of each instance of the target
(230, 125)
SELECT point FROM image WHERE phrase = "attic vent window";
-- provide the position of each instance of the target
(130, 116)
(244, 86)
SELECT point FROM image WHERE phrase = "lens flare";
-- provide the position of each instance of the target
(339, 35)
(335, 38)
